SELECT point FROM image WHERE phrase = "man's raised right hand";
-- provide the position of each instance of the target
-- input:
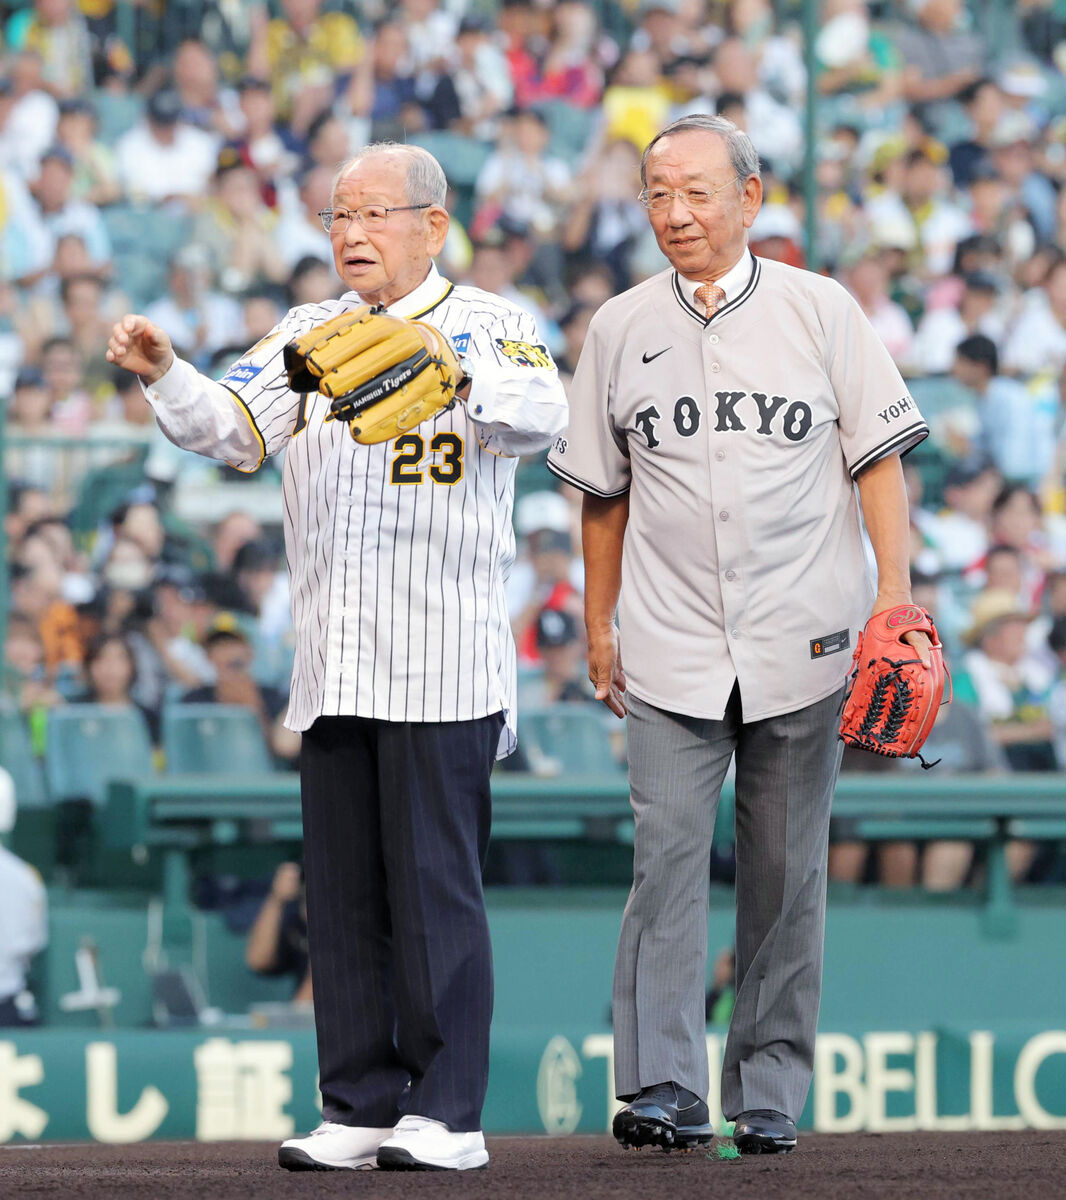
(141, 347)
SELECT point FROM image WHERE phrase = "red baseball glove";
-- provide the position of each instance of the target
(892, 697)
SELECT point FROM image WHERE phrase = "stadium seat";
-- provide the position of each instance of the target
(16, 755)
(461, 157)
(217, 739)
(570, 128)
(567, 738)
(116, 112)
(91, 744)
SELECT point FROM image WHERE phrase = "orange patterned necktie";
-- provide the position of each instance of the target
(711, 296)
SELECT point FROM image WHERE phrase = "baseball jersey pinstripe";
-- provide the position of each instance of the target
(398, 552)
(737, 440)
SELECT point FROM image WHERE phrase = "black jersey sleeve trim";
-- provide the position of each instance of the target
(900, 442)
(582, 485)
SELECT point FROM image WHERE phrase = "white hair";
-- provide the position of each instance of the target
(425, 182)
(742, 154)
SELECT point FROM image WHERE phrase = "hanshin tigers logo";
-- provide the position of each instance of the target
(524, 354)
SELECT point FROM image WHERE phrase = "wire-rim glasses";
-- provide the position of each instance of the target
(370, 216)
(660, 199)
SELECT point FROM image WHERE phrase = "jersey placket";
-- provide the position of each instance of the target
(724, 469)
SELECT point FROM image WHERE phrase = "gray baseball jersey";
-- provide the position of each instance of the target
(738, 440)
(398, 552)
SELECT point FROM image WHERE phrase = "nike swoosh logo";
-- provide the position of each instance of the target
(646, 357)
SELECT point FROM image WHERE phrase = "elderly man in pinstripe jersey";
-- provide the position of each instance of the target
(404, 680)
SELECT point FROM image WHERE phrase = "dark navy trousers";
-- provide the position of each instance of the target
(396, 825)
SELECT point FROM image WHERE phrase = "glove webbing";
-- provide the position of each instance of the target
(892, 683)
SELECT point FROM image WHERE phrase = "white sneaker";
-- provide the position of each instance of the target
(333, 1147)
(419, 1144)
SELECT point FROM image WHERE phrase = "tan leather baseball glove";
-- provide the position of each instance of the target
(892, 697)
(383, 374)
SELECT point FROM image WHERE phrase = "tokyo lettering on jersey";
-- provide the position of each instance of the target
(737, 439)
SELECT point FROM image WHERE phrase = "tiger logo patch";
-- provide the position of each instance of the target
(524, 354)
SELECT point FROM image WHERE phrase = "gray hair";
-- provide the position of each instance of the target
(742, 154)
(425, 182)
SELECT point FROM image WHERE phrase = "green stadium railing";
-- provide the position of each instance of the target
(178, 815)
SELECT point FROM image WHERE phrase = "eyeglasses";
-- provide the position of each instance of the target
(660, 199)
(370, 216)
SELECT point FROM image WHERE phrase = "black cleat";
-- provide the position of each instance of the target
(764, 1131)
(664, 1115)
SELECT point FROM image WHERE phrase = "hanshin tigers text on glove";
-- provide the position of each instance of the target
(383, 374)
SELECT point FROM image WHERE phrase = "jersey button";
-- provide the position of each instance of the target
(716, 367)
(723, 515)
(734, 633)
(714, 339)
(730, 575)
(719, 455)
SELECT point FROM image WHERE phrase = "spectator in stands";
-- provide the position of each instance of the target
(27, 681)
(308, 56)
(265, 588)
(164, 158)
(1037, 339)
(1018, 423)
(87, 315)
(383, 90)
(1012, 687)
(1013, 142)
(983, 102)
(181, 617)
(111, 676)
(570, 70)
(310, 282)
(560, 643)
(29, 414)
(37, 594)
(605, 219)
(233, 531)
(204, 104)
(264, 145)
(25, 243)
(230, 653)
(277, 941)
(56, 31)
(201, 319)
(299, 233)
(942, 328)
(520, 180)
(773, 127)
(574, 324)
(237, 229)
(959, 532)
(857, 59)
(64, 377)
(23, 921)
(481, 80)
(637, 101)
(544, 576)
(29, 117)
(868, 281)
(941, 60)
(95, 171)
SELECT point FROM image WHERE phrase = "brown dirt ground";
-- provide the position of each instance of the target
(930, 1166)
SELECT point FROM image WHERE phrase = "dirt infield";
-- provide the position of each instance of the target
(919, 1166)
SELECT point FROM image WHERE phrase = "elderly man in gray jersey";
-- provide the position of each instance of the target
(404, 681)
(721, 415)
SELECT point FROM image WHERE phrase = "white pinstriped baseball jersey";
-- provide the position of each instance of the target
(398, 552)
(737, 439)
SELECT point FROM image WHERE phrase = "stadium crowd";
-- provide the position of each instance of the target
(173, 159)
